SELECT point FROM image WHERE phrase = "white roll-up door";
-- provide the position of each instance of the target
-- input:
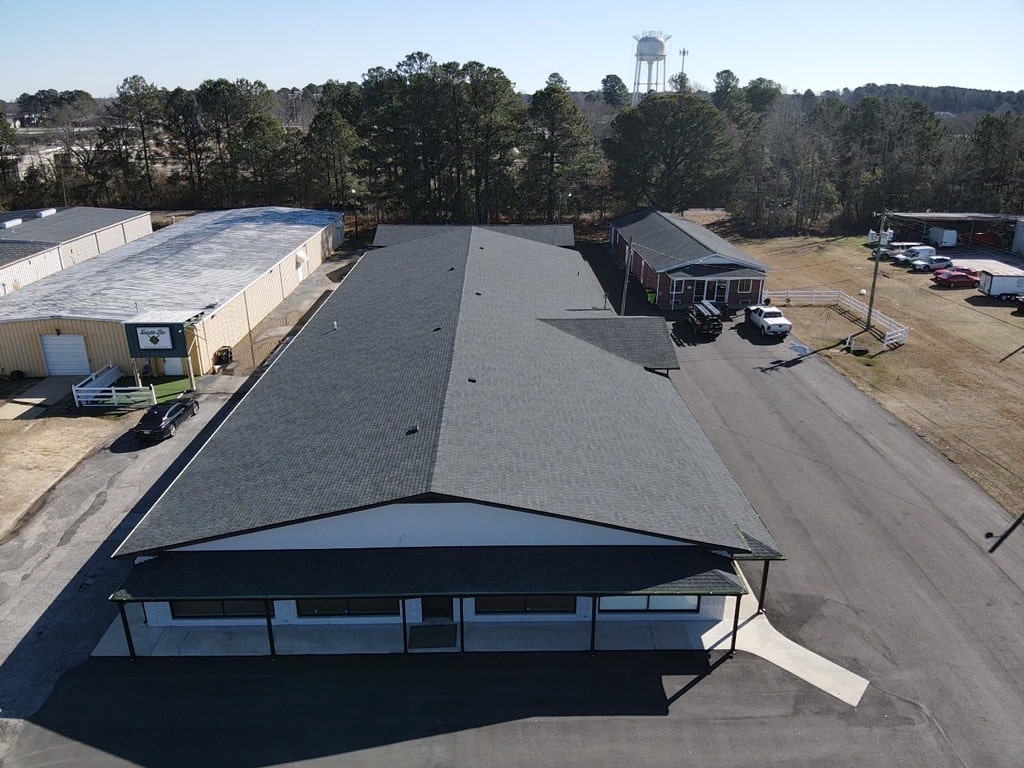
(65, 355)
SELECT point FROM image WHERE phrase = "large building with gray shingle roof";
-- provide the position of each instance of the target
(463, 438)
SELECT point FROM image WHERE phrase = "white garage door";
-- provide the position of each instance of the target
(65, 355)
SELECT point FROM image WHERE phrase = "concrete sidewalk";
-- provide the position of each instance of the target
(34, 401)
(756, 636)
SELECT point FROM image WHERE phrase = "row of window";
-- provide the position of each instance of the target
(744, 285)
(386, 606)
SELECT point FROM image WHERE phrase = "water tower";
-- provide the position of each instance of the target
(650, 50)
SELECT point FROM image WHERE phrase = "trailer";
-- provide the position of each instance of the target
(1005, 285)
(942, 238)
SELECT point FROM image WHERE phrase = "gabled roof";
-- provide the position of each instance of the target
(173, 273)
(669, 243)
(462, 366)
(552, 234)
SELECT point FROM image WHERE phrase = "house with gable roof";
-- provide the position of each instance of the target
(487, 458)
(679, 262)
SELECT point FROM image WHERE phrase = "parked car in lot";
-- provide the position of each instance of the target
(956, 278)
(893, 250)
(768, 320)
(162, 420)
(932, 263)
(705, 318)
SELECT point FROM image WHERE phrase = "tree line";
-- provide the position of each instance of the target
(434, 142)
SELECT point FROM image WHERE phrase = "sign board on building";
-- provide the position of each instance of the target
(156, 339)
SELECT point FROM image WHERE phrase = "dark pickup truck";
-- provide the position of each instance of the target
(705, 318)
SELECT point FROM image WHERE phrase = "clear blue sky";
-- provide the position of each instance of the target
(818, 44)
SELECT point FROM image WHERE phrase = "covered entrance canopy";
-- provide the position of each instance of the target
(429, 574)
(415, 572)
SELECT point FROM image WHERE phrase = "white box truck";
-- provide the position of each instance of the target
(1005, 285)
(942, 238)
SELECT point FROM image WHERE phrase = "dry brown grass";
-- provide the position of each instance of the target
(956, 382)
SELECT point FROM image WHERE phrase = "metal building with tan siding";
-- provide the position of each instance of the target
(209, 279)
(43, 241)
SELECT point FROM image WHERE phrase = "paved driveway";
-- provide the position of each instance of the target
(888, 571)
(888, 575)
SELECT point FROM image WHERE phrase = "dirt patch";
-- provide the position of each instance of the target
(37, 453)
(957, 380)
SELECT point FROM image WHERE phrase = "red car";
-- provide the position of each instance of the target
(956, 278)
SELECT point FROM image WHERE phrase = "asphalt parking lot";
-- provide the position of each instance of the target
(888, 575)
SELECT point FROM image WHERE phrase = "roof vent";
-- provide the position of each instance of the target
(472, 379)
(436, 329)
(10, 223)
(451, 269)
(45, 212)
(412, 430)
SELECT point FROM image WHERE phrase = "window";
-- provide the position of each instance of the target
(526, 604)
(219, 609)
(689, 603)
(352, 606)
(745, 286)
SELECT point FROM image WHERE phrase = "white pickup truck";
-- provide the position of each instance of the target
(768, 319)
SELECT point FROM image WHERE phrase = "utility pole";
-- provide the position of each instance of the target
(682, 68)
(625, 282)
(874, 274)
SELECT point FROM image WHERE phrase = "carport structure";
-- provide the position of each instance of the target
(505, 465)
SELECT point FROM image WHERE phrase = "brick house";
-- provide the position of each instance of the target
(679, 262)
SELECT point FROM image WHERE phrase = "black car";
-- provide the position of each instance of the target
(705, 318)
(162, 419)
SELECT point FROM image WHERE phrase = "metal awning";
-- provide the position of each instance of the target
(415, 572)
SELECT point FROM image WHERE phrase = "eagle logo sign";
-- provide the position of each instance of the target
(154, 339)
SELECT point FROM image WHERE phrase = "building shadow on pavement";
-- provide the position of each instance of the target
(258, 711)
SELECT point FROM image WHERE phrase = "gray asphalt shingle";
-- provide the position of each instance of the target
(448, 378)
(667, 242)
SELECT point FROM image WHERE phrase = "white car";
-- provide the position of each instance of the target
(768, 319)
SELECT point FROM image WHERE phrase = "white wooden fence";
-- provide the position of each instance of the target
(895, 333)
(99, 390)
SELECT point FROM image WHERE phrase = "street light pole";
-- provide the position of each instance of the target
(874, 274)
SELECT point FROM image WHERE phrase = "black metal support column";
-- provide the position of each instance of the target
(462, 627)
(593, 623)
(127, 629)
(735, 625)
(764, 584)
(270, 627)
(405, 629)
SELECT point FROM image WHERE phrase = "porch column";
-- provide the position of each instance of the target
(270, 627)
(127, 629)
(735, 626)
(462, 628)
(764, 584)
(405, 628)
(593, 623)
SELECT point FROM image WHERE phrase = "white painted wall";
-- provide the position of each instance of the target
(432, 525)
(20, 273)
